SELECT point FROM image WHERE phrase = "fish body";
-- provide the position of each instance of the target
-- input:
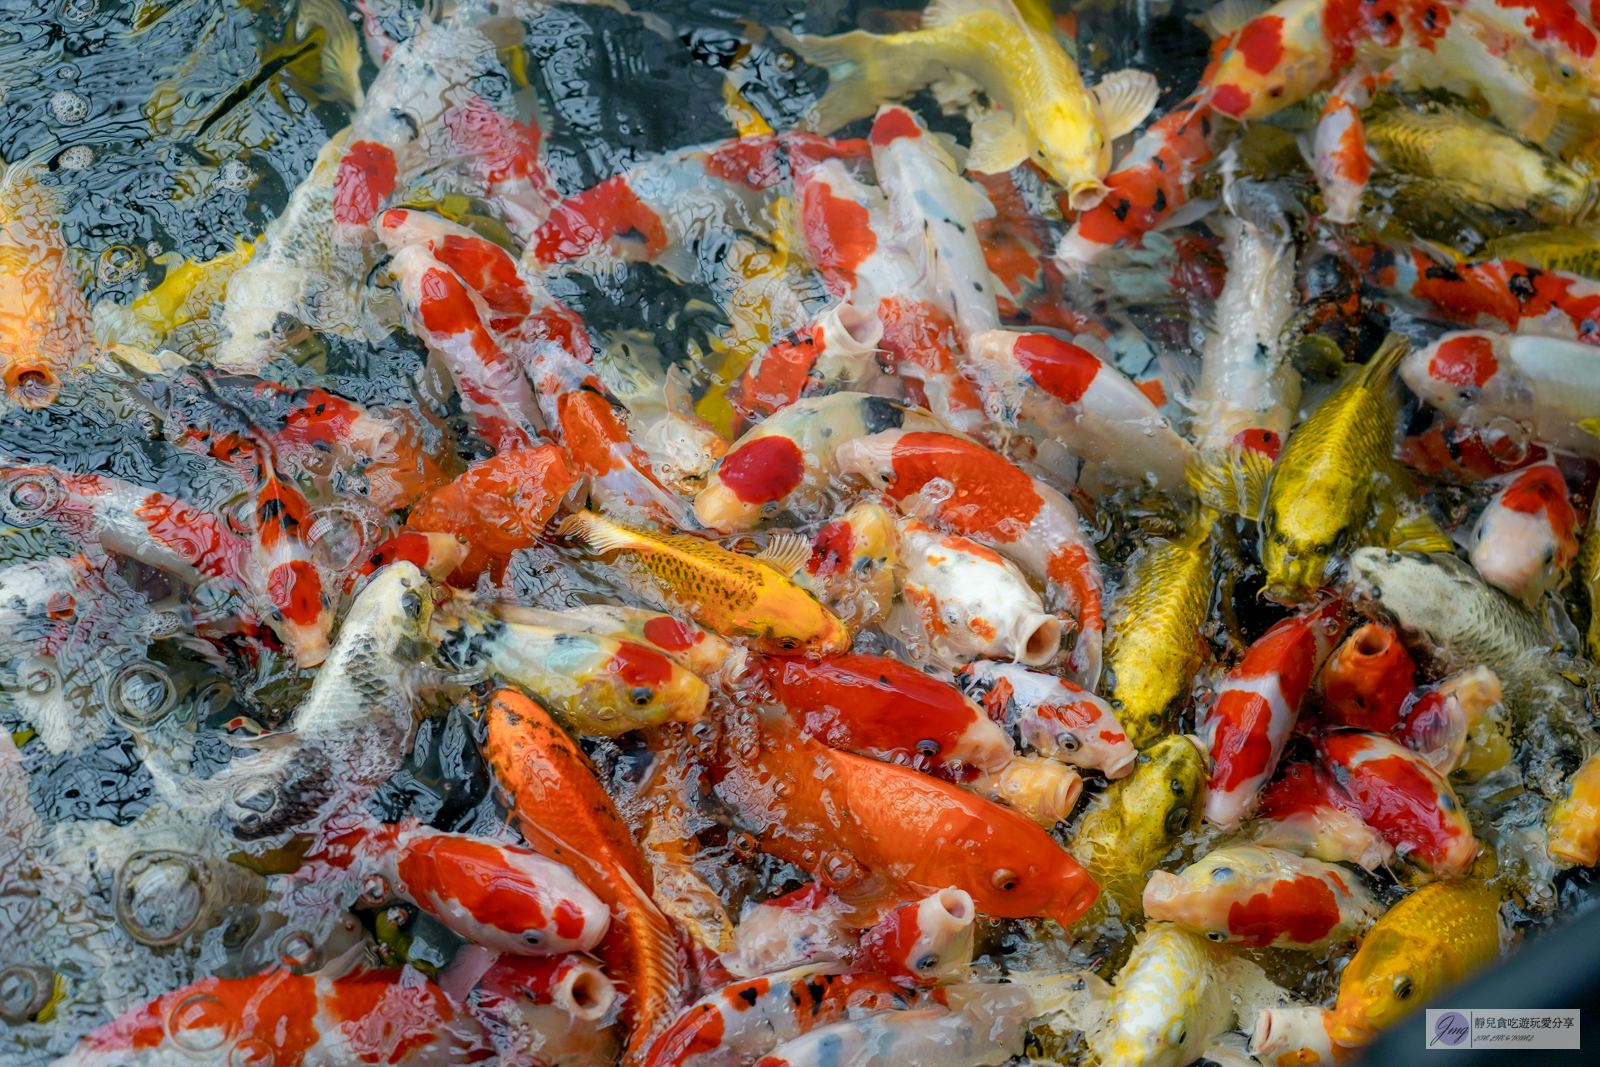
(926, 942)
(435, 554)
(1261, 897)
(789, 461)
(391, 1016)
(497, 506)
(970, 601)
(1573, 822)
(292, 584)
(1368, 681)
(1084, 403)
(1339, 146)
(1247, 727)
(1427, 942)
(1130, 827)
(884, 708)
(963, 1026)
(1156, 641)
(1051, 716)
(599, 685)
(743, 1021)
(1570, 249)
(863, 822)
(44, 321)
(839, 345)
(1059, 124)
(1306, 811)
(732, 594)
(852, 566)
(1168, 1001)
(567, 816)
(1545, 382)
(934, 212)
(1445, 146)
(1404, 799)
(1526, 539)
(979, 494)
(1326, 486)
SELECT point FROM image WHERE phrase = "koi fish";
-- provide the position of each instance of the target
(293, 1019)
(1147, 186)
(808, 926)
(44, 321)
(692, 647)
(982, 496)
(890, 710)
(1400, 796)
(550, 1010)
(1526, 538)
(1045, 115)
(481, 265)
(925, 943)
(1427, 942)
(592, 424)
(566, 815)
(1304, 811)
(840, 344)
(788, 462)
(969, 601)
(1042, 789)
(1051, 716)
(293, 586)
(852, 566)
(600, 686)
(1339, 147)
(435, 554)
(1086, 404)
(819, 808)
(1572, 823)
(1368, 681)
(1247, 727)
(1261, 896)
(1169, 1001)
(501, 504)
(1466, 453)
(732, 594)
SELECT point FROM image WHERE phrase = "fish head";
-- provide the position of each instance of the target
(1157, 1015)
(1389, 977)
(1070, 147)
(399, 601)
(636, 685)
(927, 942)
(1301, 533)
(1165, 794)
(1453, 372)
(1077, 727)
(870, 457)
(1201, 896)
(1021, 871)
(796, 625)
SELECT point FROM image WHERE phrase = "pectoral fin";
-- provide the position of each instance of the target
(997, 144)
(785, 553)
(1126, 99)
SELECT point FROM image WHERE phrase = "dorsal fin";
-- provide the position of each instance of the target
(1126, 98)
(785, 552)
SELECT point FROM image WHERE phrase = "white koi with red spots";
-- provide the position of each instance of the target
(1246, 728)
(969, 601)
(1085, 403)
(298, 609)
(1051, 716)
(927, 942)
(1550, 384)
(1526, 538)
(1339, 147)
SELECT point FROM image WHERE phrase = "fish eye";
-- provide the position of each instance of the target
(1402, 986)
(1004, 879)
(1068, 742)
(927, 962)
(411, 604)
(1222, 872)
(533, 937)
(640, 695)
(1218, 936)
(1566, 70)
(1549, 554)
(1177, 786)
(927, 747)
(1176, 1033)
(788, 644)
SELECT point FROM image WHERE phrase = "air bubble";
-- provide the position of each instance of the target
(78, 157)
(234, 175)
(199, 1024)
(119, 263)
(69, 108)
(77, 12)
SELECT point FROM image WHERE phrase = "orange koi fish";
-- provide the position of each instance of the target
(44, 322)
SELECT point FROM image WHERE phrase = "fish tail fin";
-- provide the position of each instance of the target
(1232, 480)
(341, 47)
(859, 77)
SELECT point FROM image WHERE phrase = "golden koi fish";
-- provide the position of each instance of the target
(44, 322)
(1045, 112)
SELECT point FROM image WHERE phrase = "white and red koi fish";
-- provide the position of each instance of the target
(789, 462)
(300, 613)
(1051, 716)
(1086, 404)
(1546, 383)
(1305, 811)
(841, 344)
(1405, 800)
(395, 1017)
(1247, 727)
(969, 601)
(1526, 538)
(494, 392)
(979, 494)
(1147, 186)
(592, 424)
(1256, 896)
(550, 1010)
(434, 554)
(925, 943)
(1339, 147)
(808, 926)
(961, 1026)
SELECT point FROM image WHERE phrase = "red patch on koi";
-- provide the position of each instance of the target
(1304, 909)
(366, 178)
(640, 666)
(765, 470)
(1246, 747)
(669, 633)
(991, 496)
(296, 591)
(833, 552)
(1261, 43)
(894, 123)
(1063, 370)
(838, 232)
(490, 272)
(1464, 361)
(1257, 440)
(1230, 100)
(474, 875)
(594, 216)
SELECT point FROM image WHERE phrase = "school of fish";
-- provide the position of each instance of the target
(1117, 582)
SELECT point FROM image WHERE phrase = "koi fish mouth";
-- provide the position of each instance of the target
(32, 386)
(1085, 195)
